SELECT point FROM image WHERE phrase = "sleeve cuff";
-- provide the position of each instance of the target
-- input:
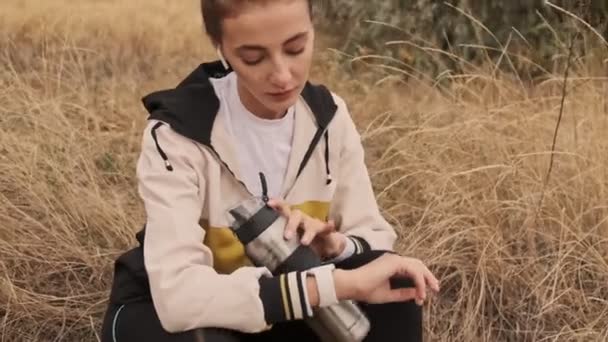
(284, 297)
(360, 244)
(349, 250)
(325, 284)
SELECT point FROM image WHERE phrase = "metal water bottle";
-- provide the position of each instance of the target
(260, 229)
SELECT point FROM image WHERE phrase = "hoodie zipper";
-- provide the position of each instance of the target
(264, 187)
(263, 182)
(315, 141)
(223, 163)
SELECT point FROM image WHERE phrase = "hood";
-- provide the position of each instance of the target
(192, 106)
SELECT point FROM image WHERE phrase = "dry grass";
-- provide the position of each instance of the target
(460, 173)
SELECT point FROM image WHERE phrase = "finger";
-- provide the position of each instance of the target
(403, 295)
(418, 277)
(326, 229)
(417, 294)
(329, 227)
(314, 228)
(280, 206)
(295, 218)
(420, 287)
(431, 280)
(399, 295)
(309, 235)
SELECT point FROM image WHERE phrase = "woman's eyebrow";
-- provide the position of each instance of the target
(261, 48)
(296, 37)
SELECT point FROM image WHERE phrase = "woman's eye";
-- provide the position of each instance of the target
(295, 52)
(252, 58)
(252, 61)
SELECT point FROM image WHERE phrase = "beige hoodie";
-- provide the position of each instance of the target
(196, 269)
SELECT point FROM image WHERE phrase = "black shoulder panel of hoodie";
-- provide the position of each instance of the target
(191, 107)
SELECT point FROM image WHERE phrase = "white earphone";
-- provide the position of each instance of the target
(222, 59)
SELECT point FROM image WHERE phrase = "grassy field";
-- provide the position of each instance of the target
(460, 170)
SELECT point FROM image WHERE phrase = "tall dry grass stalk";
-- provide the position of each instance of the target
(459, 171)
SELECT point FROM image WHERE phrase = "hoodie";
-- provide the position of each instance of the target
(187, 261)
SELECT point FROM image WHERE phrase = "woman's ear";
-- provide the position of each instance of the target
(222, 59)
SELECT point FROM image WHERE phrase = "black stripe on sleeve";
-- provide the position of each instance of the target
(362, 245)
(272, 300)
(303, 299)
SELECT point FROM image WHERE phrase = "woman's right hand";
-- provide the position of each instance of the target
(370, 283)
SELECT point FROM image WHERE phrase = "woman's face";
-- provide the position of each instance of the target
(270, 48)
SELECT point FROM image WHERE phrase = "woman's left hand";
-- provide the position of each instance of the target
(321, 236)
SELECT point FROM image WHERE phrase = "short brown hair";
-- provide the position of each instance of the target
(214, 11)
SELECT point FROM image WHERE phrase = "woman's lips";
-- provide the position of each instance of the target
(282, 95)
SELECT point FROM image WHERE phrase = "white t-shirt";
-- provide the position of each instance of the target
(262, 145)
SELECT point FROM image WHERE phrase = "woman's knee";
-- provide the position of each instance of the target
(400, 321)
(106, 324)
(139, 322)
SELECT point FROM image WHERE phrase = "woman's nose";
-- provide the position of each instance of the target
(281, 76)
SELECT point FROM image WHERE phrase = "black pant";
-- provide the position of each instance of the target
(139, 322)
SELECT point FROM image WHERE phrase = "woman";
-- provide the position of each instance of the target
(252, 125)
